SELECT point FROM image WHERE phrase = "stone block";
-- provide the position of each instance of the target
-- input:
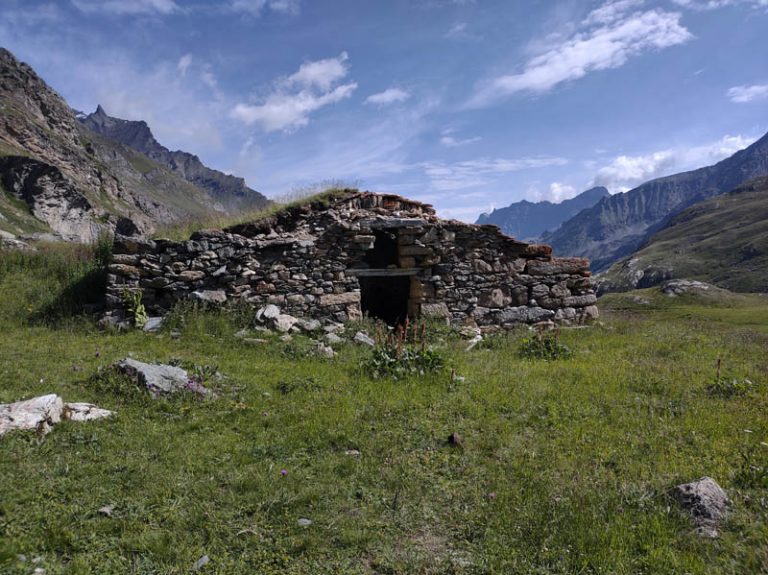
(558, 266)
(340, 298)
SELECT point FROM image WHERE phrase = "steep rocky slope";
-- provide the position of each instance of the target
(526, 220)
(229, 191)
(57, 175)
(619, 224)
(722, 240)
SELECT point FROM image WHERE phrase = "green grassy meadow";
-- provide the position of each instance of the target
(565, 466)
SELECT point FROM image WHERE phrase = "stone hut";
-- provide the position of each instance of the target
(349, 253)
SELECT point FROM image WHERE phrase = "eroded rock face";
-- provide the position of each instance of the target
(42, 413)
(335, 261)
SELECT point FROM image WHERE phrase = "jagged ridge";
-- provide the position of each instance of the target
(529, 220)
(617, 225)
(230, 191)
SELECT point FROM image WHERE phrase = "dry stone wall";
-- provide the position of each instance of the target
(311, 261)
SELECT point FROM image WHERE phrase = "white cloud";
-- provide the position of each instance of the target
(320, 74)
(559, 192)
(184, 62)
(609, 38)
(715, 4)
(257, 7)
(610, 12)
(296, 96)
(627, 172)
(388, 96)
(743, 94)
(484, 171)
(127, 6)
(448, 140)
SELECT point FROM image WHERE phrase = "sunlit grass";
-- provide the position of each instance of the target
(564, 467)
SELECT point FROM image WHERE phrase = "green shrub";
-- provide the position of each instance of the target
(727, 387)
(545, 346)
(132, 301)
(402, 353)
(391, 362)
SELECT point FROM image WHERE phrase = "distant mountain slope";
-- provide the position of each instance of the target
(230, 191)
(529, 220)
(57, 175)
(619, 224)
(722, 240)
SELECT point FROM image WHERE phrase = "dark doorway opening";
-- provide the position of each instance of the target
(385, 297)
(384, 251)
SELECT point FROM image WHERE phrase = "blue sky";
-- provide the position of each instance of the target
(466, 104)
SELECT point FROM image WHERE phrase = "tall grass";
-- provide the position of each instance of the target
(56, 282)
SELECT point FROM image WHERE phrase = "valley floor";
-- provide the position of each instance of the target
(565, 466)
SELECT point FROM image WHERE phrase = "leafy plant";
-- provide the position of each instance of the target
(727, 387)
(402, 353)
(545, 346)
(132, 301)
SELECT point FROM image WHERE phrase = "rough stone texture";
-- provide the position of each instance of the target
(678, 287)
(161, 379)
(42, 413)
(707, 503)
(308, 261)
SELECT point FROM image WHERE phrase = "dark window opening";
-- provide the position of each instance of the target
(384, 251)
(385, 297)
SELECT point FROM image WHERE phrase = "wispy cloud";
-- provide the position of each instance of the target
(184, 63)
(257, 7)
(609, 37)
(448, 139)
(626, 172)
(484, 171)
(715, 4)
(120, 7)
(295, 97)
(744, 94)
(388, 96)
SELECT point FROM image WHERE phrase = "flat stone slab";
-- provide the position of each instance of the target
(42, 413)
(161, 379)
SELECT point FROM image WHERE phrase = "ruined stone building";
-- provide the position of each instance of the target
(349, 253)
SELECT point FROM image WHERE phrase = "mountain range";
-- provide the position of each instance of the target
(80, 178)
(618, 225)
(528, 221)
(722, 240)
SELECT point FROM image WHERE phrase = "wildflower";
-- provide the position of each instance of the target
(283, 472)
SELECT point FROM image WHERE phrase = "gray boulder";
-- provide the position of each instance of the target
(707, 503)
(161, 379)
(209, 296)
(284, 322)
(364, 339)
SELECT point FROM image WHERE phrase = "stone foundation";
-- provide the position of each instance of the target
(310, 261)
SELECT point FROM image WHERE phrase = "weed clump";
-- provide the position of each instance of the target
(726, 387)
(402, 353)
(545, 346)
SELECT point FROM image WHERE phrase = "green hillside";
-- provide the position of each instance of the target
(723, 240)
